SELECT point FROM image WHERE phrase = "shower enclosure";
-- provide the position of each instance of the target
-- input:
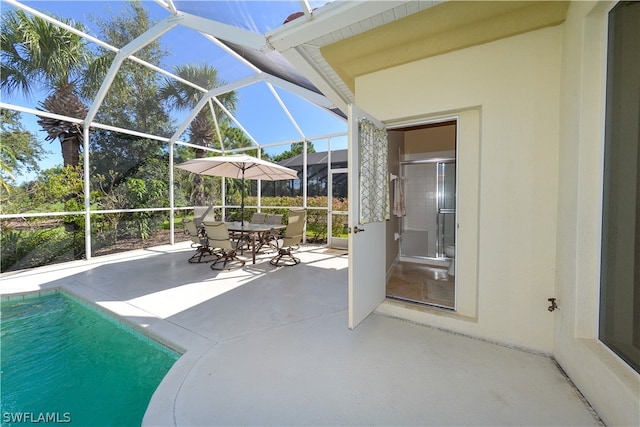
(430, 201)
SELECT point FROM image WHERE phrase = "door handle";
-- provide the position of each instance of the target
(356, 229)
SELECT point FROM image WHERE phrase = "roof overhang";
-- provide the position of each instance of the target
(301, 40)
(343, 40)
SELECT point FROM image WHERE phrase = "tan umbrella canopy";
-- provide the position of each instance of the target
(239, 166)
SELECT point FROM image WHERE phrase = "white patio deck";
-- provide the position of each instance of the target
(270, 346)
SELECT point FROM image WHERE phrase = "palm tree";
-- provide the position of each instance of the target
(38, 55)
(184, 97)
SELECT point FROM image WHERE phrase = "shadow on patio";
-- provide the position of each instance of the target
(270, 346)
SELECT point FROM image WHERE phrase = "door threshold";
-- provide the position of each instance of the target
(421, 303)
(435, 262)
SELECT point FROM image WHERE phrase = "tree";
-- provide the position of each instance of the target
(129, 171)
(234, 138)
(185, 97)
(133, 101)
(297, 148)
(202, 128)
(38, 55)
(20, 151)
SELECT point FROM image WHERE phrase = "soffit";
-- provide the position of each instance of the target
(301, 39)
(436, 30)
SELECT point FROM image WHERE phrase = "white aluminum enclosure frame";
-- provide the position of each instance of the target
(212, 30)
(296, 41)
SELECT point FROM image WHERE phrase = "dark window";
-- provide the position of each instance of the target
(620, 268)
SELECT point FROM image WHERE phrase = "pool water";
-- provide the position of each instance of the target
(63, 361)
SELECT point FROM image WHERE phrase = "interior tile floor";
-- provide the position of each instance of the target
(270, 346)
(422, 283)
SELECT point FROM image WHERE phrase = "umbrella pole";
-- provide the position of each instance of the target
(242, 201)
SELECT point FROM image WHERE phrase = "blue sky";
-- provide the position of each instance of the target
(258, 111)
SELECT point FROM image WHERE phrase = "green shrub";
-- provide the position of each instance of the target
(34, 248)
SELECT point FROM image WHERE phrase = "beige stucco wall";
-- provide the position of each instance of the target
(513, 86)
(538, 99)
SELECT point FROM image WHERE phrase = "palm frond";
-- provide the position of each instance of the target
(40, 53)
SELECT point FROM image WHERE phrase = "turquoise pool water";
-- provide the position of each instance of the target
(65, 362)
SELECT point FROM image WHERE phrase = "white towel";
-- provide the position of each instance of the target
(398, 198)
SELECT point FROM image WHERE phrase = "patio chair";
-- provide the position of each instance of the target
(198, 241)
(290, 240)
(219, 239)
(266, 237)
(275, 219)
(244, 243)
(203, 213)
(258, 218)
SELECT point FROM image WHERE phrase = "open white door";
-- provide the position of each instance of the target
(367, 272)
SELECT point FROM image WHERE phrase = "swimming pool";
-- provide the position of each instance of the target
(65, 362)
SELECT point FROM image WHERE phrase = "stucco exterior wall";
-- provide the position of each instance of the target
(539, 102)
(513, 85)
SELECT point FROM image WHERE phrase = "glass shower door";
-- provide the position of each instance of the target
(446, 206)
(430, 202)
(419, 223)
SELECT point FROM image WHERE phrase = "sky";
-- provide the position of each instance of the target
(257, 111)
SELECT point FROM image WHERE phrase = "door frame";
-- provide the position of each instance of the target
(468, 179)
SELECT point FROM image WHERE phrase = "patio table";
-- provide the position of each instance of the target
(254, 231)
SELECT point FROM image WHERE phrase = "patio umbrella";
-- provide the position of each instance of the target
(239, 166)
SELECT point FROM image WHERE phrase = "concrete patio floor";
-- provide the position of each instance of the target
(270, 346)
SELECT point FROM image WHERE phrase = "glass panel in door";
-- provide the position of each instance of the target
(337, 226)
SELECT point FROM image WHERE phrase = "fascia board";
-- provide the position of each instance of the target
(325, 20)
